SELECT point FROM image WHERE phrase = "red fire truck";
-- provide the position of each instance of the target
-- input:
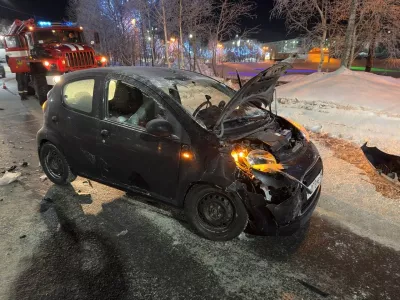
(46, 50)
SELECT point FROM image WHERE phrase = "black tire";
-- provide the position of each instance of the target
(215, 214)
(54, 164)
(40, 86)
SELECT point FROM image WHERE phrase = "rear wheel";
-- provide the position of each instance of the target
(54, 164)
(40, 86)
(215, 214)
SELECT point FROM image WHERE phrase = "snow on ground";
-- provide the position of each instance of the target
(355, 106)
(348, 88)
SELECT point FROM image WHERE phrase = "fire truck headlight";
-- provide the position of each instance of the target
(46, 63)
(103, 59)
(56, 79)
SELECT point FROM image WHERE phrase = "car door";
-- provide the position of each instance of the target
(129, 155)
(78, 122)
(17, 53)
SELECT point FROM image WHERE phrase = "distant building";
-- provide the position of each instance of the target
(280, 50)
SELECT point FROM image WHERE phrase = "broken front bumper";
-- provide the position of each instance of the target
(285, 217)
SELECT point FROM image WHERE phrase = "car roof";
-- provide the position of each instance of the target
(147, 73)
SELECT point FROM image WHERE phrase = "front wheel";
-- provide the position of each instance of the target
(54, 164)
(40, 86)
(215, 214)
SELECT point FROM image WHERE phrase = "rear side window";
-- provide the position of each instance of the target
(79, 95)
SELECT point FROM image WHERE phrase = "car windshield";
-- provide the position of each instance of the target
(204, 99)
(58, 36)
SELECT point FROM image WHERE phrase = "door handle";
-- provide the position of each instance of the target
(104, 132)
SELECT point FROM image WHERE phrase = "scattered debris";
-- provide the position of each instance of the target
(22, 236)
(83, 194)
(88, 182)
(9, 177)
(43, 177)
(123, 232)
(354, 155)
(1, 108)
(313, 288)
(24, 164)
(387, 165)
(1, 199)
(12, 168)
(316, 128)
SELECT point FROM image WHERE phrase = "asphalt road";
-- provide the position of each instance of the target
(88, 241)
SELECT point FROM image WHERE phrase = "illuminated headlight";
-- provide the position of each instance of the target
(301, 128)
(263, 161)
(56, 79)
(103, 59)
(260, 160)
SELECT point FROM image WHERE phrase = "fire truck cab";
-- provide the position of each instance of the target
(46, 50)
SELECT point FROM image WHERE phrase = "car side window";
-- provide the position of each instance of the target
(79, 95)
(129, 105)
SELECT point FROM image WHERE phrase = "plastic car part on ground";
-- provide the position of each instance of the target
(387, 165)
(9, 177)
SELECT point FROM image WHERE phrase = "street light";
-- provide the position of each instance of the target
(172, 39)
(190, 36)
(133, 22)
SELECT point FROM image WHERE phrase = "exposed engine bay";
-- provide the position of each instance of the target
(265, 152)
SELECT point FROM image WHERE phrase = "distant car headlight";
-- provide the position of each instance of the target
(56, 79)
(301, 128)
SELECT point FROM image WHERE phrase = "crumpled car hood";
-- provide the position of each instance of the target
(258, 89)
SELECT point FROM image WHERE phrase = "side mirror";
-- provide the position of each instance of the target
(96, 38)
(159, 127)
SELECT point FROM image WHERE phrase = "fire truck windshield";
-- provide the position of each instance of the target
(58, 36)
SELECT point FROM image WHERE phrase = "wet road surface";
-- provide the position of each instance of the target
(111, 246)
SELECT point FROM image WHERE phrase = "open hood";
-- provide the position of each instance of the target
(259, 89)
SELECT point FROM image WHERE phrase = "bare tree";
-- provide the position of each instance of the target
(307, 16)
(196, 16)
(227, 22)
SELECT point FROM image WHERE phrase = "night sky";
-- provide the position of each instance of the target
(55, 10)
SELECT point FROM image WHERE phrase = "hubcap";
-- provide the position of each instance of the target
(216, 211)
(54, 164)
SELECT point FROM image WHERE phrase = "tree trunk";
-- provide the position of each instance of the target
(214, 61)
(194, 54)
(371, 54)
(322, 46)
(144, 45)
(353, 49)
(165, 35)
(349, 33)
(152, 38)
(181, 57)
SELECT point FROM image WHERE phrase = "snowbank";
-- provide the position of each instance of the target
(355, 106)
(347, 88)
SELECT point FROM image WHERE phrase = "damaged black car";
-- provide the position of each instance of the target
(185, 139)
